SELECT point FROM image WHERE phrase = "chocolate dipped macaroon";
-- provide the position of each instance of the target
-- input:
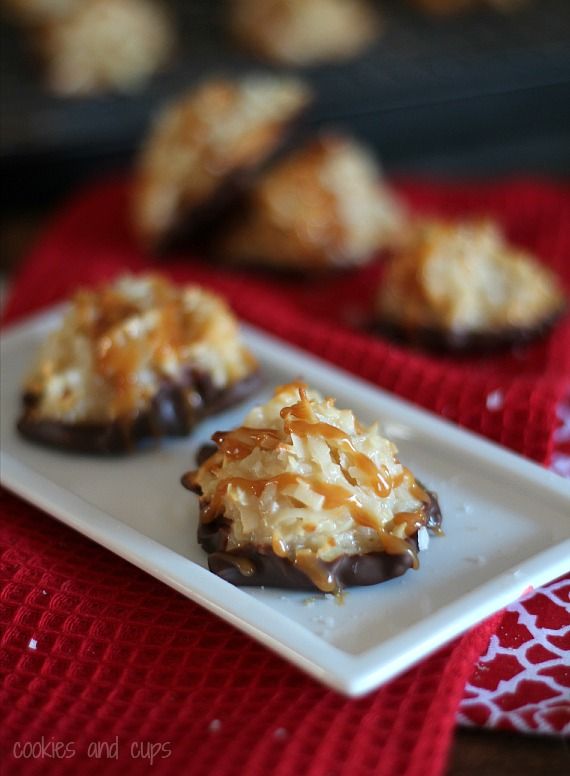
(303, 496)
(135, 360)
(203, 148)
(102, 46)
(304, 32)
(325, 206)
(462, 287)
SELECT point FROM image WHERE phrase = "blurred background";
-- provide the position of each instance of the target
(458, 89)
(438, 87)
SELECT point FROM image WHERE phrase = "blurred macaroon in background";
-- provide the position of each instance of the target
(438, 87)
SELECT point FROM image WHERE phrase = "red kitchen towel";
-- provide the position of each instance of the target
(522, 682)
(94, 651)
(510, 398)
(99, 659)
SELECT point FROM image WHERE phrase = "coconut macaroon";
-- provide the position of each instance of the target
(324, 206)
(135, 359)
(463, 286)
(104, 45)
(304, 32)
(203, 146)
(303, 496)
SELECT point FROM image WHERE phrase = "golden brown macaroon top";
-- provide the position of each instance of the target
(104, 45)
(217, 131)
(309, 481)
(466, 277)
(117, 345)
(326, 205)
(302, 32)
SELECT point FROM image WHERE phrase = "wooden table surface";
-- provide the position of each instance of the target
(475, 752)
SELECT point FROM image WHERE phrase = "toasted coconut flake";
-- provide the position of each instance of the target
(301, 32)
(200, 143)
(305, 503)
(104, 45)
(119, 344)
(324, 206)
(466, 278)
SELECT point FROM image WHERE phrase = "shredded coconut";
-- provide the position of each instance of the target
(139, 332)
(325, 205)
(336, 487)
(301, 32)
(219, 128)
(103, 45)
(466, 277)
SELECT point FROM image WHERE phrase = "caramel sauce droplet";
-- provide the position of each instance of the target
(413, 521)
(308, 562)
(245, 566)
(279, 545)
(418, 492)
(397, 479)
(237, 445)
(393, 545)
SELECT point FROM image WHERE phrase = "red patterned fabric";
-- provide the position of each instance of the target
(523, 681)
(92, 649)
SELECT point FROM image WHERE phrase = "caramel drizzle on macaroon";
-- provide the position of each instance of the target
(119, 354)
(299, 419)
(237, 445)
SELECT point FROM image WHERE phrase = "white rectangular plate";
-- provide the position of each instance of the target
(507, 524)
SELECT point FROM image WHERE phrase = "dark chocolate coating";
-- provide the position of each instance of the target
(199, 225)
(272, 570)
(465, 342)
(171, 413)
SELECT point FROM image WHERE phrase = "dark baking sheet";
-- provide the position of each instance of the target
(479, 92)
